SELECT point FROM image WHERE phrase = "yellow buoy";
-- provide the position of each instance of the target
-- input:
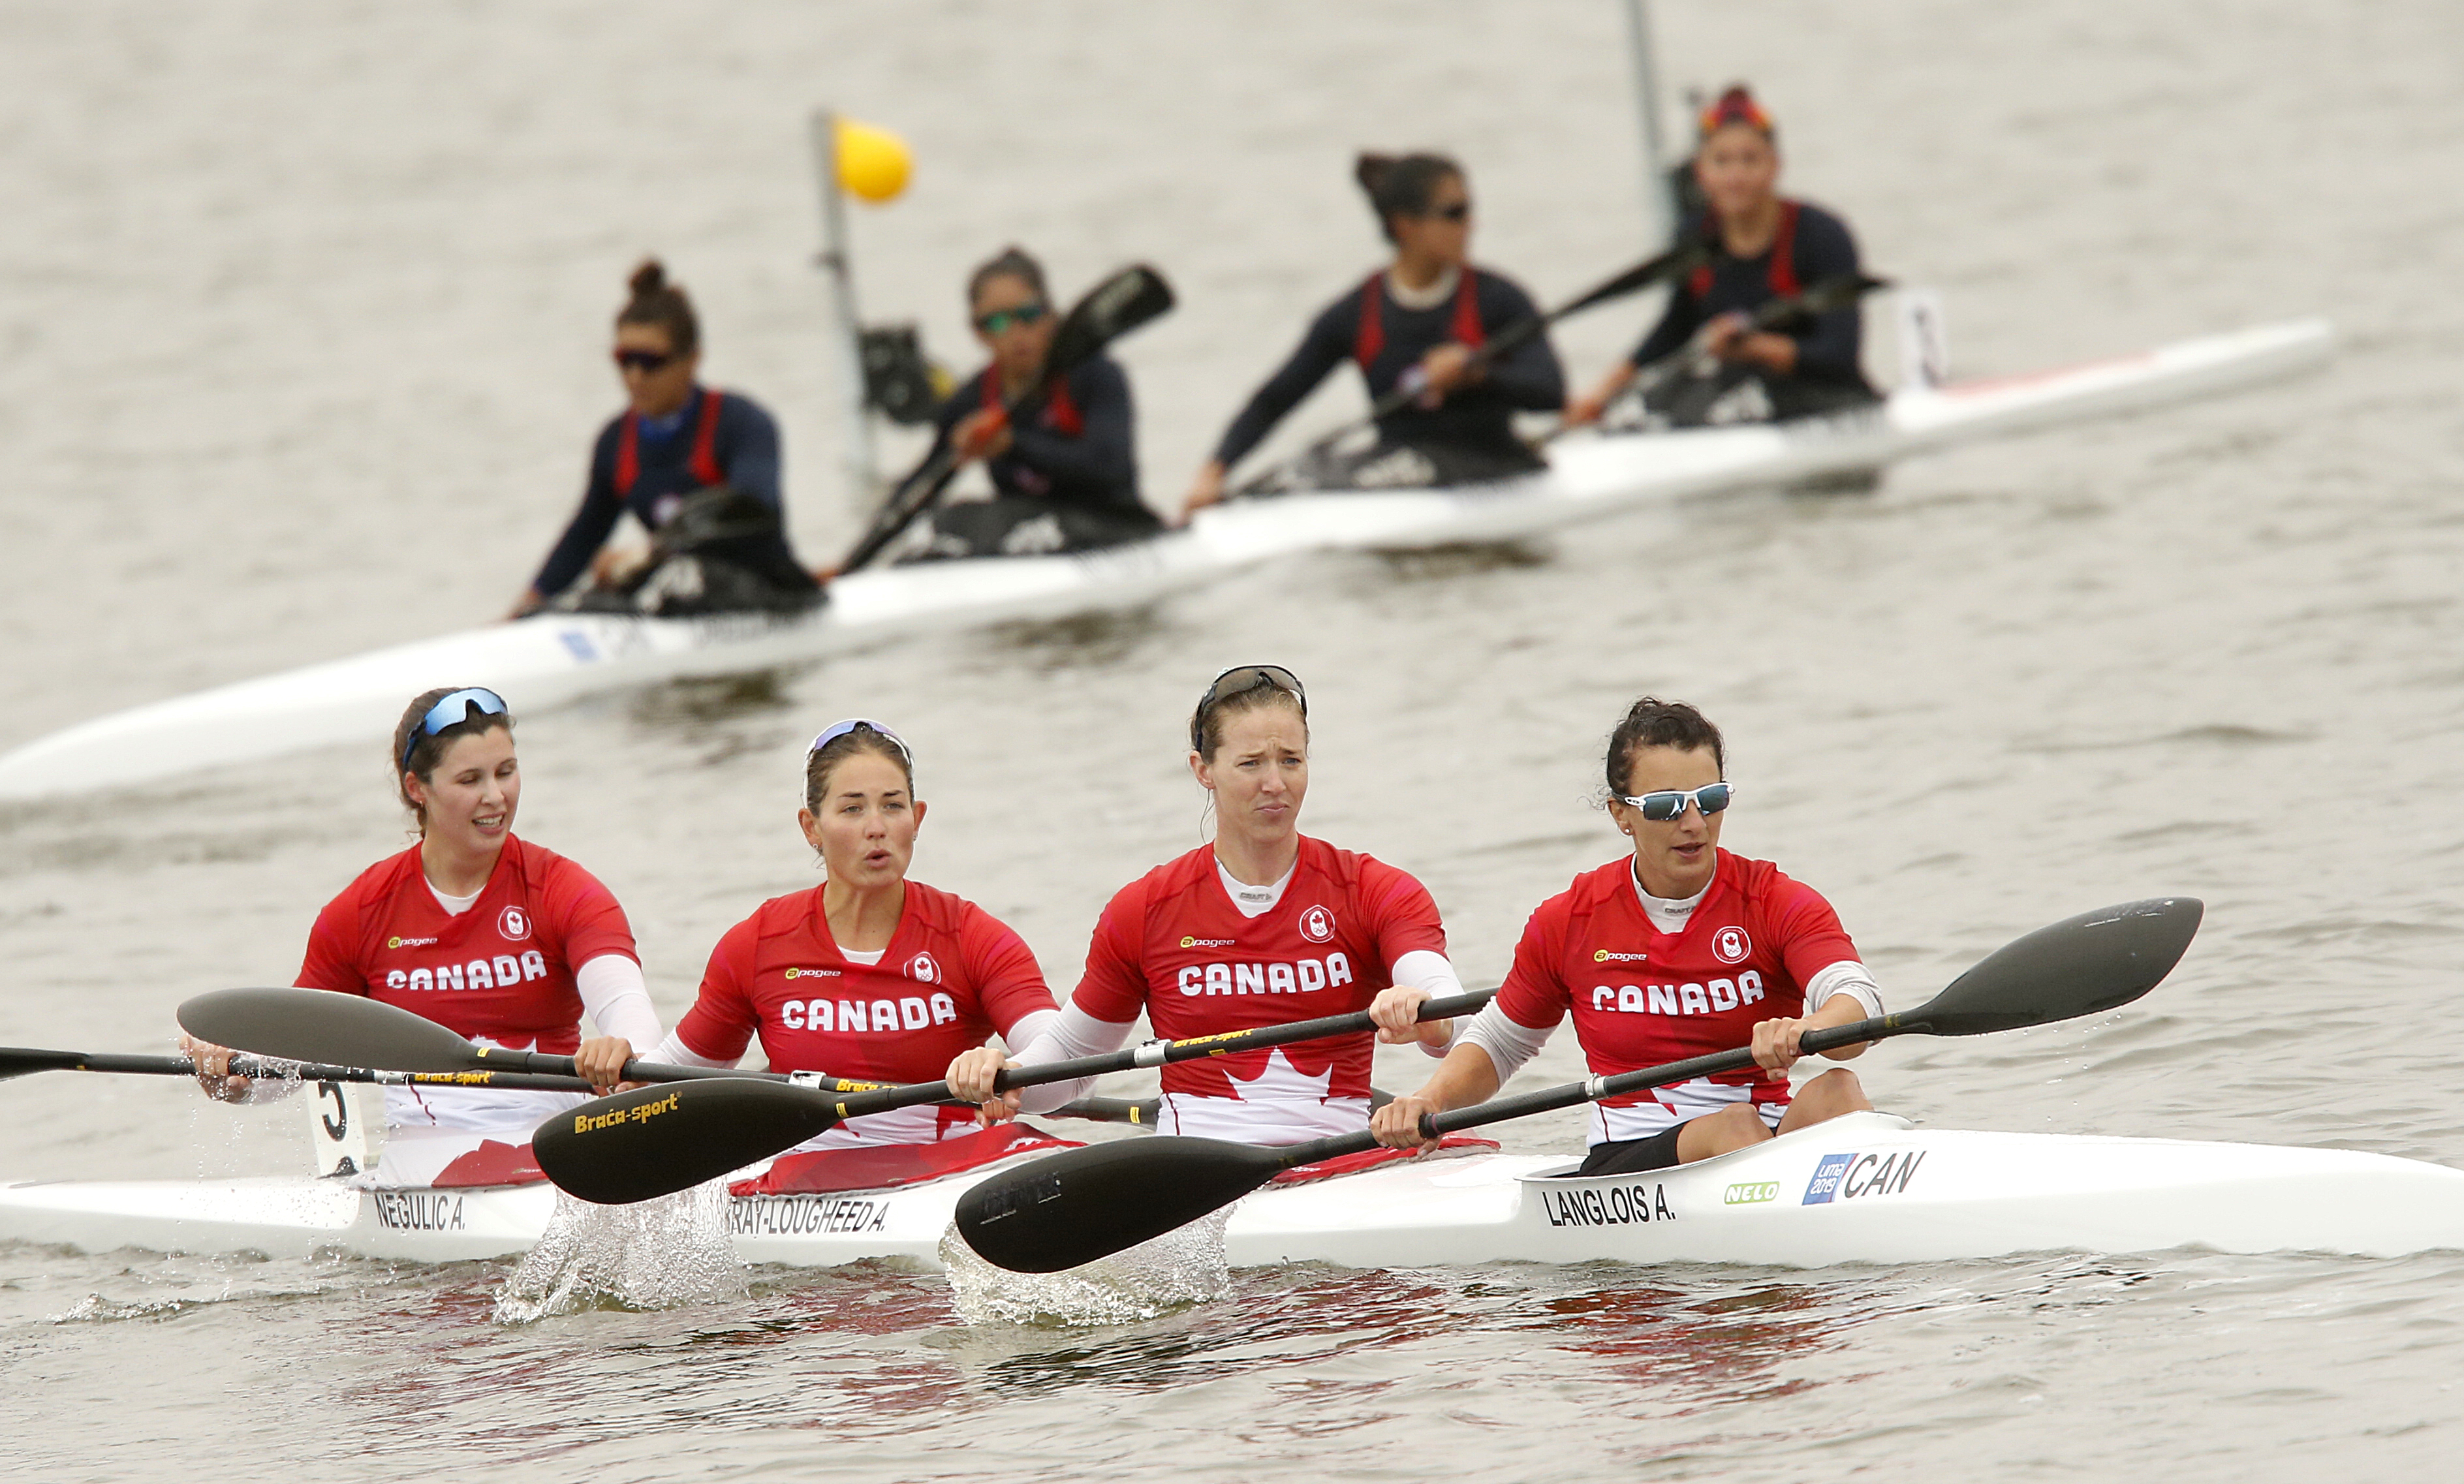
(873, 162)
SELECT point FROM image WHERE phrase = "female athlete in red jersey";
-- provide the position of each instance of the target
(1262, 928)
(1678, 951)
(476, 929)
(867, 975)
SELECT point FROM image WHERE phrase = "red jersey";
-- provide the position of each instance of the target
(1642, 998)
(501, 972)
(1173, 944)
(951, 975)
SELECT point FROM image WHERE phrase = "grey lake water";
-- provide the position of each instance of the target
(303, 338)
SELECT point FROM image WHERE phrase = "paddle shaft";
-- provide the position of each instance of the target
(17, 1061)
(1156, 1053)
(1548, 1100)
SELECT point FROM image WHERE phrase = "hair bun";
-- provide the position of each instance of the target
(649, 279)
(1371, 170)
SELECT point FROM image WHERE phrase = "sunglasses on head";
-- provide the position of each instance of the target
(645, 360)
(450, 710)
(996, 320)
(1239, 680)
(839, 729)
(1666, 804)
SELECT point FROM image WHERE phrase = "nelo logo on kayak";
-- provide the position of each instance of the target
(417, 1210)
(1606, 1206)
(1849, 1176)
(1301, 976)
(1750, 1193)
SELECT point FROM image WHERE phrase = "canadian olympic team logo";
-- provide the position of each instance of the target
(923, 969)
(514, 923)
(1733, 946)
(1317, 925)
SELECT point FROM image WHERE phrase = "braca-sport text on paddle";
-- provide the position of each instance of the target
(656, 1141)
(1078, 1205)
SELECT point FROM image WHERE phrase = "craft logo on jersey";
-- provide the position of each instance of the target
(514, 923)
(1731, 946)
(923, 969)
(1317, 925)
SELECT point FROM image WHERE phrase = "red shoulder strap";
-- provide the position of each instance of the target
(1372, 337)
(628, 454)
(1466, 328)
(705, 449)
(1783, 263)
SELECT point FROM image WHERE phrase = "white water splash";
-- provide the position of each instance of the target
(1183, 1266)
(660, 1253)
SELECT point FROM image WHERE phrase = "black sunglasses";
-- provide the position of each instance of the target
(642, 359)
(1239, 680)
(1459, 211)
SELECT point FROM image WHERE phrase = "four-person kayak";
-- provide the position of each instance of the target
(1867, 1187)
(552, 658)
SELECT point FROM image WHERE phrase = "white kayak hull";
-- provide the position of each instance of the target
(555, 658)
(1866, 1189)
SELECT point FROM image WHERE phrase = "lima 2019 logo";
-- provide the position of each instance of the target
(1317, 925)
(514, 923)
(1731, 946)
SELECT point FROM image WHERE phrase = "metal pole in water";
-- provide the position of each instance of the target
(837, 264)
(1658, 203)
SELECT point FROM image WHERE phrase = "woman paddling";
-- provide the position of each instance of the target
(481, 932)
(1417, 322)
(1065, 481)
(1762, 246)
(696, 467)
(1676, 950)
(1264, 926)
(869, 975)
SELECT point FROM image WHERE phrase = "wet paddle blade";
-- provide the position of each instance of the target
(1076, 1207)
(656, 1141)
(2076, 967)
(318, 1025)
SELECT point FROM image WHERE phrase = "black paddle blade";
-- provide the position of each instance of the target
(319, 1025)
(1084, 1204)
(1839, 292)
(656, 1141)
(1111, 309)
(2076, 967)
(1642, 275)
(19, 1060)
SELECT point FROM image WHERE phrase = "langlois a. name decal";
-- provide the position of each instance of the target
(1606, 1206)
(1851, 1176)
(804, 1215)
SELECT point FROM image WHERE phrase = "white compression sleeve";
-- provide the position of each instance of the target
(1509, 1044)
(1844, 977)
(1423, 969)
(1027, 1030)
(673, 1052)
(618, 999)
(1070, 1034)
